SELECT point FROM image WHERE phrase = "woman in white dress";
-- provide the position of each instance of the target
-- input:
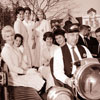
(12, 56)
(20, 28)
(47, 54)
(42, 26)
(29, 24)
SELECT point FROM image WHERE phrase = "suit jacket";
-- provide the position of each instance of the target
(98, 53)
(80, 41)
(68, 59)
(92, 45)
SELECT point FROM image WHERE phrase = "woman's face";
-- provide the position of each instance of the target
(20, 15)
(9, 37)
(40, 15)
(17, 41)
(49, 41)
(60, 39)
(27, 14)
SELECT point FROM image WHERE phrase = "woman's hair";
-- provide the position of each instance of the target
(48, 34)
(59, 32)
(6, 29)
(19, 9)
(27, 8)
(20, 36)
(40, 10)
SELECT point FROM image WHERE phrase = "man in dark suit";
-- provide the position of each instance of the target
(97, 33)
(92, 42)
(82, 34)
(87, 40)
(64, 56)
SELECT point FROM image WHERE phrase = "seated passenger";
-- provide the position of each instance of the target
(60, 37)
(97, 33)
(65, 56)
(48, 52)
(13, 58)
(18, 44)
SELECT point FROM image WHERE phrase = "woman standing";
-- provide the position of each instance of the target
(42, 26)
(20, 28)
(31, 33)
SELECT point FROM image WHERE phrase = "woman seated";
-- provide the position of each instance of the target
(60, 39)
(18, 76)
(18, 44)
(47, 54)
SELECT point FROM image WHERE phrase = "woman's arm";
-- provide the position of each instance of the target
(45, 57)
(6, 55)
(17, 27)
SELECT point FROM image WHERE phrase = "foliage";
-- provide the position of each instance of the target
(6, 16)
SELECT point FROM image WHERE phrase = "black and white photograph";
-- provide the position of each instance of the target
(49, 49)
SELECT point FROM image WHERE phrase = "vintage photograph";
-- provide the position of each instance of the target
(49, 49)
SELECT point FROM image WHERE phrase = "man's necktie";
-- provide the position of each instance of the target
(74, 54)
(85, 41)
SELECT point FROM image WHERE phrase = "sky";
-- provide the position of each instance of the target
(80, 6)
(84, 5)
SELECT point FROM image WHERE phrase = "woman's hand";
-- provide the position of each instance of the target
(47, 63)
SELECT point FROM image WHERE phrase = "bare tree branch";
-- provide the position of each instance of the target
(50, 4)
(42, 3)
(47, 6)
(25, 2)
(57, 12)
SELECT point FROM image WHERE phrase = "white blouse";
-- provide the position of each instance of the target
(12, 58)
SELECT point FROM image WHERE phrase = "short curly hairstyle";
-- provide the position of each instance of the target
(48, 34)
(19, 9)
(27, 8)
(20, 36)
(59, 32)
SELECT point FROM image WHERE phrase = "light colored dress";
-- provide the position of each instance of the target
(13, 59)
(21, 29)
(45, 70)
(31, 39)
(43, 27)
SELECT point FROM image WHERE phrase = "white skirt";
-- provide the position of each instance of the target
(31, 79)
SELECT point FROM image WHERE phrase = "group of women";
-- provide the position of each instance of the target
(32, 31)
(38, 49)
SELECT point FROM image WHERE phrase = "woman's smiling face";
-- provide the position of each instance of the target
(20, 15)
(9, 37)
(17, 41)
(49, 41)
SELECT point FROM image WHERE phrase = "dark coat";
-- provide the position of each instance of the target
(80, 41)
(92, 45)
